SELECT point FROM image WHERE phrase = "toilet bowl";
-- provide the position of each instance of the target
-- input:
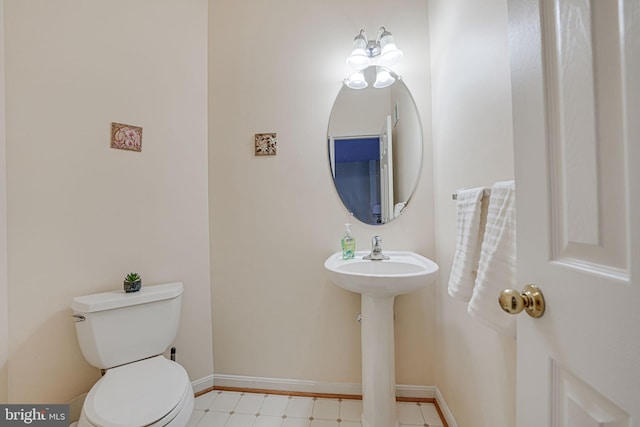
(126, 336)
(152, 392)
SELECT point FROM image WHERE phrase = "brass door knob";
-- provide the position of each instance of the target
(530, 299)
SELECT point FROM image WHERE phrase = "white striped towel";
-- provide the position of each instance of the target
(497, 267)
(468, 239)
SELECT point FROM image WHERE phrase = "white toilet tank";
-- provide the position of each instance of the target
(121, 327)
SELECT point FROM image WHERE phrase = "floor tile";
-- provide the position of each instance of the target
(234, 409)
(213, 419)
(409, 413)
(324, 423)
(268, 421)
(274, 405)
(240, 420)
(225, 402)
(430, 414)
(249, 403)
(350, 410)
(205, 400)
(300, 407)
(296, 422)
(326, 409)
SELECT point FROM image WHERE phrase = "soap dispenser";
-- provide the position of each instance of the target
(348, 243)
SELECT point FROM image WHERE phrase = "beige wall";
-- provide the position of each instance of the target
(273, 220)
(80, 214)
(277, 67)
(472, 133)
(4, 293)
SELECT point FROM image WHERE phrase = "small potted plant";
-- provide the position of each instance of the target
(132, 282)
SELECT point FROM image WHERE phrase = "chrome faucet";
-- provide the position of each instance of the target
(376, 250)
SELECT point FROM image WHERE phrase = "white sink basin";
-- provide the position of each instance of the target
(404, 272)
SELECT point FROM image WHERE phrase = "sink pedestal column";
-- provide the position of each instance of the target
(378, 363)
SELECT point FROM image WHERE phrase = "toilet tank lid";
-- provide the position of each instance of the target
(118, 299)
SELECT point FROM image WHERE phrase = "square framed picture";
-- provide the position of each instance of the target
(126, 137)
(266, 144)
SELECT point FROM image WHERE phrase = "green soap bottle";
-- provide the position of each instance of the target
(348, 243)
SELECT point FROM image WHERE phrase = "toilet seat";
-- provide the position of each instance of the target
(146, 393)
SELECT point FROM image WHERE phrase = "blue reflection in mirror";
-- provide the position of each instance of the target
(357, 176)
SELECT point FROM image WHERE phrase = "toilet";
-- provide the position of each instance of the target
(126, 335)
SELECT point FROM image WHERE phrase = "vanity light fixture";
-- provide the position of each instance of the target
(383, 78)
(360, 54)
(381, 52)
(356, 81)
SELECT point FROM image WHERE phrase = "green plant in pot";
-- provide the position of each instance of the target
(132, 282)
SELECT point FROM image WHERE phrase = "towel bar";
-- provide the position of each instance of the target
(487, 192)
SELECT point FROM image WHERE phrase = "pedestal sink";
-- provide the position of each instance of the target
(379, 282)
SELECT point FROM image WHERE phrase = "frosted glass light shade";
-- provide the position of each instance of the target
(359, 60)
(356, 81)
(383, 78)
(389, 52)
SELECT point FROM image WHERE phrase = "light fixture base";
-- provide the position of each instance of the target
(373, 48)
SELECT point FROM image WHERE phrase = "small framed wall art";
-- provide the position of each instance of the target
(266, 144)
(126, 137)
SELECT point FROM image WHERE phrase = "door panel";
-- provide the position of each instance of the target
(583, 74)
(575, 72)
(579, 404)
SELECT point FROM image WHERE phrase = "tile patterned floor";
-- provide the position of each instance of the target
(234, 409)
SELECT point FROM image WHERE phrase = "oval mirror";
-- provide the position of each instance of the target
(375, 148)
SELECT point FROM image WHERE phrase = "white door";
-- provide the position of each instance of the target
(576, 100)
(386, 170)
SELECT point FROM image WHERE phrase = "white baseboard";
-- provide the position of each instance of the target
(279, 384)
(306, 386)
(419, 391)
(202, 384)
(446, 412)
